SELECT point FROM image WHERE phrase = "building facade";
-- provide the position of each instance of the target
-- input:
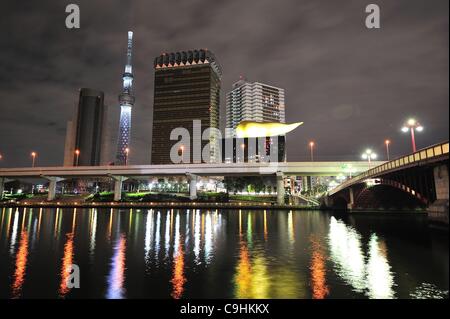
(85, 136)
(253, 150)
(254, 102)
(187, 89)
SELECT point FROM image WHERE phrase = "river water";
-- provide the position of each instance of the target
(163, 253)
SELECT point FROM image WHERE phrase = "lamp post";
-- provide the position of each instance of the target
(182, 152)
(311, 148)
(77, 154)
(33, 158)
(369, 155)
(127, 151)
(387, 142)
(412, 125)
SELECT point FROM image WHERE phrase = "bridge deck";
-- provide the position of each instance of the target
(437, 152)
(287, 168)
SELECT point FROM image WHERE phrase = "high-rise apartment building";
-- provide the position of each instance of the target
(254, 102)
(187, 88)
(85, 138)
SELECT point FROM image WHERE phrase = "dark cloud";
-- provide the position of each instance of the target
(353, 87)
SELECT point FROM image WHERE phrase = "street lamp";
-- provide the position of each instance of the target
(182, 152)
(369, 155)
(387, 142)
(410, 126)
(33, 157)
(77, 154)
(311, 147)
(127, 151)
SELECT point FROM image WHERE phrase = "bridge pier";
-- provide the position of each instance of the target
(53, 180)
(351, 202)
(192, 186)
(2, 186)
(118, 183)
(280, 188)
(438, 210)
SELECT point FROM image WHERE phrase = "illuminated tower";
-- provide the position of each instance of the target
(126, 100)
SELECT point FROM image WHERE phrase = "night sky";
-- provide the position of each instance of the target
(352, 86)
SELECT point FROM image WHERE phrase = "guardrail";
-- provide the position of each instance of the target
(430, 152)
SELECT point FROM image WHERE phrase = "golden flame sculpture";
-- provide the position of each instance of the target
(256, 129)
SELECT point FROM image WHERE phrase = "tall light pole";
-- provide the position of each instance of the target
(369, 155)
(387, 142)
(182, 152)
(33, 158)
(127, 151)
(311, 148)
(77, 154)
(412, 125)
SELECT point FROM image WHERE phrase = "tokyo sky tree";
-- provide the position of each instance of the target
(126, 100)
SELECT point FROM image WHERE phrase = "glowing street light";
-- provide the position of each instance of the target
(127, 151)
(369, 155)
(311, 147)
(77, 154)
(387, 142)
(182, 152)
(410, 126)
(33, 157)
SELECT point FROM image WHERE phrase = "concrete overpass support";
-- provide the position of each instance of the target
(438, 211)
(53, 180)
(280, 188)
(351, 202)
(192, 186)
(118, 183)
(2, 186)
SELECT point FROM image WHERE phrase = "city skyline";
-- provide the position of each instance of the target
(343, 83)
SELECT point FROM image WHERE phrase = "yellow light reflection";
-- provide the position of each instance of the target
(265, 225)
(178, 279)
(318, 270)
(243, 276)
(21, 265)
(291, 227)
(67, 260)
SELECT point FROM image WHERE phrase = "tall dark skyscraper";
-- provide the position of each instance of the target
(126, 100)
(85, 133)
(187, 88)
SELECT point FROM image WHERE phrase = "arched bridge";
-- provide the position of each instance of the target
(416, 180)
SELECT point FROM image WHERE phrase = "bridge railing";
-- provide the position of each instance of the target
(430, 152)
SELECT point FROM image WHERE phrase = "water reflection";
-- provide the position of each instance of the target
(92, 230)
(379, 276)
(318, 269)
(116, 278)
(178, 277)
(21, 265)
(252, 278)
(67, 260)
(148, 236)
(14, 231)
(209, 253)
(373, 278)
